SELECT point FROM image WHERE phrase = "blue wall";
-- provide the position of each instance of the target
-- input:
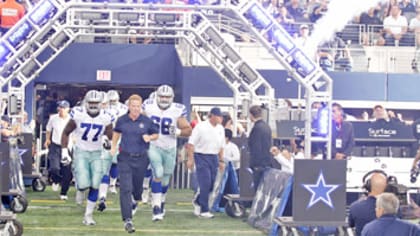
(152, 65)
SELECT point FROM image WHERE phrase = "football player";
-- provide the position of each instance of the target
(88, 124)
(171, 120)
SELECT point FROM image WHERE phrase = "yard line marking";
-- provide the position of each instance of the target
(88, 229)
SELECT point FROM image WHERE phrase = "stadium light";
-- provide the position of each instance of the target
(247, 73)
(19, 34)
(165, 18)
(259, 16)
(125, 16)
(42, 12)
(303, 64)
(323, 121)
(283, 39)
(230, 53)
(4, 53)
(214, 37)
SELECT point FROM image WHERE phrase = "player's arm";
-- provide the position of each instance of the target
(70, 127)
(416, 159)
(108, 131)
(184, 126)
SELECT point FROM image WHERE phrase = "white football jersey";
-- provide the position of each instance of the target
(89, 131)
(164, 119)
(118, 110)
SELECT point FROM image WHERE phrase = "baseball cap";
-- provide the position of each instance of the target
(304, 26)
(63, 104)
(216, 111)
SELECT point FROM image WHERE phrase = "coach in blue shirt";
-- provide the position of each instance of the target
(136, 131)
(363, 211)
(388, 224)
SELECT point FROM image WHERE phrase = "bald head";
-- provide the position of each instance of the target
(378, 183)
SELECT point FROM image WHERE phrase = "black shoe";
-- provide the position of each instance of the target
(129, 227)
(102, 204)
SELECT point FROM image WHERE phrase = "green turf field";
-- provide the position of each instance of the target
(46, 215)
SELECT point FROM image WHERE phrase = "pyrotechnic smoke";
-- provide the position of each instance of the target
(339, 13)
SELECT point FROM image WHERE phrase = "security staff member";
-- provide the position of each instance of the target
(136, 131)
(342, 134)
(259, 143)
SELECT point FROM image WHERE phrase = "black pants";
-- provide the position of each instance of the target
(257, 175)
(131, 170)
(58, 172)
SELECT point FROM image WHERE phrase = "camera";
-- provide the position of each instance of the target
(414, 173)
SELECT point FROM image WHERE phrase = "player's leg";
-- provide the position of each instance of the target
(97, 172)
(83, 178)
(103, 187)
(113, 174)
(155, 157)
(169, 161)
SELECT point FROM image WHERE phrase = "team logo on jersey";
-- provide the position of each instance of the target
(141, 125)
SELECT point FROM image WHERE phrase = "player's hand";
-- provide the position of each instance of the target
(190, 164)
(221, 165)
(173, 130)
(146, 138)
(47, 143)
(65, 156)
(106, 143)
(113, 151)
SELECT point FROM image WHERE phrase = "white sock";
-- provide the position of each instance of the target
(146, 182)
(103, 189)
(113, 182)
(156, 199)
(163, 197)
(90, 207)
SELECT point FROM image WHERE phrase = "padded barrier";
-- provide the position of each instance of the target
(269, 198)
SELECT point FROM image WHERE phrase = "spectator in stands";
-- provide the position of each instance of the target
(414, 26)
(395, 28)
(272, 7)
(10, 13)
(285, 19)
(371, 20)
(363, 211)
(342, 134)
(310, 5)
(387, 222)
(319, 11)
(407, 6)
(329, 52)
(296, 11)
(381, 116)
(303, 35)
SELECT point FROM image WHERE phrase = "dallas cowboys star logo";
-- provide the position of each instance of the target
(320, 191)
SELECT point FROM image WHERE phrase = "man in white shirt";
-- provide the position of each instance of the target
(395, 28)
(284, 158)
(231, 151)
(205, 150)
(59, 172)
